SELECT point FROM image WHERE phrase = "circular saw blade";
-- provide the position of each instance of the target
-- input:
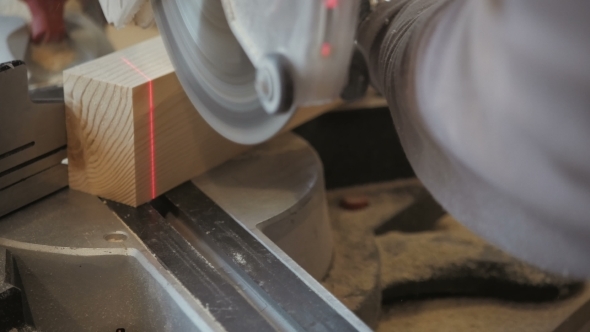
(214, 70)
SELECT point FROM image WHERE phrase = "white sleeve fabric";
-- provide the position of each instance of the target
(500, 131)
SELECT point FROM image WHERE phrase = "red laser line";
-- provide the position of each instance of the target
(151, 121)
(326, 49)
(331, 4)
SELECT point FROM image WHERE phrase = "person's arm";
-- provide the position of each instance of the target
(491, 100)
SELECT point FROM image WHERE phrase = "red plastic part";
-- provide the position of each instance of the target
(48, 20)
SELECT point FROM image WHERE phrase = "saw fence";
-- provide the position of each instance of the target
(133, 134)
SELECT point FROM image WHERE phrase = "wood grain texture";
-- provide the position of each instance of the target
(109, 127)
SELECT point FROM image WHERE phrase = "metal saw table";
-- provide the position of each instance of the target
(227, 250)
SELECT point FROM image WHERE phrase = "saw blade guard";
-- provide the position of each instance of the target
(248, 66)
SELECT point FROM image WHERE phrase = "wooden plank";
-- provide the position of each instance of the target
(132, 131)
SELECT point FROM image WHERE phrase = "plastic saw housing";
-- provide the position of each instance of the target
(247, 66)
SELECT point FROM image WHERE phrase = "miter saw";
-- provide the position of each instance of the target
(242, 247)
(200, 257)
(247, 68)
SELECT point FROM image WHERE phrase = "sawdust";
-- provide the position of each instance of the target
(470, 314)
(423, 255)
(354, 277)
(385, 200)
(239, 258)
(364, 264)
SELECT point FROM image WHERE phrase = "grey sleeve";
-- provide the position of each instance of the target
(491, 100)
